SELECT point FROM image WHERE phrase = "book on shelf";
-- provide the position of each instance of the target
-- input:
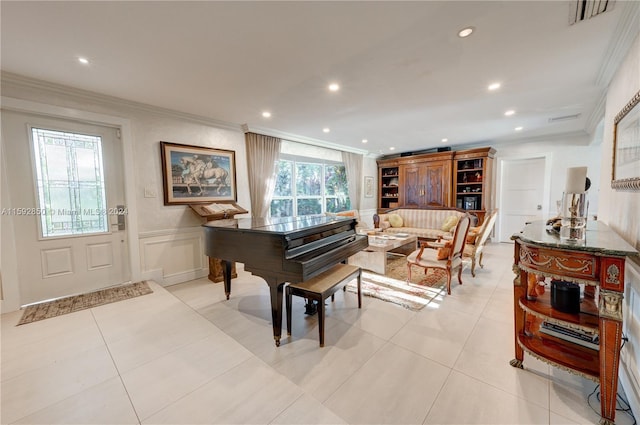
(589, 340)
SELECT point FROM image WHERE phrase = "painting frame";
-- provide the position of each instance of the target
(197, 175)
(368, 186)
(626, 147)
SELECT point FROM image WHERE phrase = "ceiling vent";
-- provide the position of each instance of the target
(581, 10)
(564, 118)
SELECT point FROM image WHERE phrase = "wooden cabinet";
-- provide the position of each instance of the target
(388, 185)
(597, 263)
(425, 184)
(472, 180)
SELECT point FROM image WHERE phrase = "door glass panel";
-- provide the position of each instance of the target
(70, 183)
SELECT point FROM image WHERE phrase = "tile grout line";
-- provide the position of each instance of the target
(124, 386)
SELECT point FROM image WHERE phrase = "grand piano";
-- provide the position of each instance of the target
(281, 250)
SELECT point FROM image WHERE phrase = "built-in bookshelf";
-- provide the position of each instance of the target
(389, 186)
(472, 180)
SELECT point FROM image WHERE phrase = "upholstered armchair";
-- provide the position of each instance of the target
(433, 255)
(476, 241)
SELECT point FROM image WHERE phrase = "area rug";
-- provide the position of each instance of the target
(45, 310)
(394, 288)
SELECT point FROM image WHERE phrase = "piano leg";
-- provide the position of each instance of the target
(276, 290)
(226, 271)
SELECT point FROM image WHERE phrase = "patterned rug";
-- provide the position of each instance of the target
(45, 310)
(394, 288)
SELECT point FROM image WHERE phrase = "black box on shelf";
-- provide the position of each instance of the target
(565, 296)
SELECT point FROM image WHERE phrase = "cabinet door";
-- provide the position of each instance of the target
(437, 175)
(413, 186)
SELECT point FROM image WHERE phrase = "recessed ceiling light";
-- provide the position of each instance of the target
(266, 114)
(326, 129)
(334, 87)
(83, 61)
(494, 86)
(510, 112)
(465, 32)
(445, 140)
(392, 148)
(518, 129)
(364, 140)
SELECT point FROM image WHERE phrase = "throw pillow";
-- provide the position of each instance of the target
(384, 225)
(449, 223)
(472, 235)
(395, 220)
(443, 253)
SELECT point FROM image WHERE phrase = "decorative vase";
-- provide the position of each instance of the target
(574, 216)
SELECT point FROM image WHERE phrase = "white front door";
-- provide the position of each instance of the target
(522, 183)
(80, 245)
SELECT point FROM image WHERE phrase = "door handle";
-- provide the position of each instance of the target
(122, 211)
(539, 207)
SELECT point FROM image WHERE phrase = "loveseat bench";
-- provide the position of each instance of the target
(425, 223)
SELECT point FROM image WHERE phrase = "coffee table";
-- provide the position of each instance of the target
(374, 257)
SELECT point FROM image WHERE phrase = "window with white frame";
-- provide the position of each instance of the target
(70, 183)
(304, 187)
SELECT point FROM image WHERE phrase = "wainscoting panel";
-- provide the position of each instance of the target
(630, 353)
(174, 255)
(366, 218)
(56, 262)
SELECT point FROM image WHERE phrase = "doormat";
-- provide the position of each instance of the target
(45, 310)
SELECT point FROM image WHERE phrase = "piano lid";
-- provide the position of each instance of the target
(281, 225)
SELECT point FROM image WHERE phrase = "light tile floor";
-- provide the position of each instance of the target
(185, 355)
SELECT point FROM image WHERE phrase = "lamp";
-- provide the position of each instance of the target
(574, 205)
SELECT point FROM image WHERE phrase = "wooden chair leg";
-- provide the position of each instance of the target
(460, 274)
(480, 260)
(408, 272)
(448, 281)
(473, 266)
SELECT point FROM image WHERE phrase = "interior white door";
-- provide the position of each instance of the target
(53, 267)
(521, 194)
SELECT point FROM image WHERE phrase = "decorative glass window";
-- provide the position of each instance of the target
(309, 188)
(70, 183)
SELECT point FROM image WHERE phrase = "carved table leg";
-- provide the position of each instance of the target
(519, 291)
(610, 310)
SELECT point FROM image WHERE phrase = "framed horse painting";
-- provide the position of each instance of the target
(197, 175)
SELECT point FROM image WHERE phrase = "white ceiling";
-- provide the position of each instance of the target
(407, 80)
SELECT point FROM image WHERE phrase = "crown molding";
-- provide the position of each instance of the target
(579, 137)
(9, 79)
(596, 115)
(301, 139)
(625, 33)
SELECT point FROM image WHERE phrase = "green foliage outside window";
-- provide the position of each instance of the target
(312, 187)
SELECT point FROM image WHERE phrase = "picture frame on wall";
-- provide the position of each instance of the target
(626, 147)
(197, 175)
(368, 187)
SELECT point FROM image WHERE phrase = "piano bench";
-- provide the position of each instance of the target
(320, 287)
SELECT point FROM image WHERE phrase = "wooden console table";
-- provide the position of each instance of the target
(598, 263)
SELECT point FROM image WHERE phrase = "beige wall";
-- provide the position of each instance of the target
(620, 209)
